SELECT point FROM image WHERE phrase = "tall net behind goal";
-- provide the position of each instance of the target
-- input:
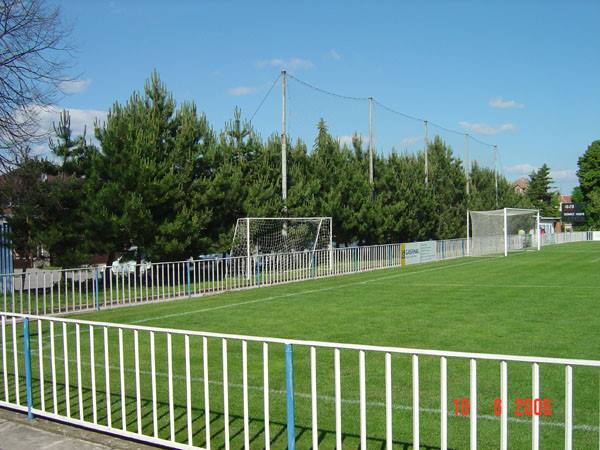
(503, 230)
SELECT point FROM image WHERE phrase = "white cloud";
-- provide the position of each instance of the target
(347, 139)
(115, 7)
(564, 175)
(290, 64)
(521, 169)
(484, 128)
(80, 119)
(501, 103)
(74, 86)
(410, 140)
(241, 90)
(334, 55)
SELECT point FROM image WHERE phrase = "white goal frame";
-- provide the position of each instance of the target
(248, 251)
(505, 236)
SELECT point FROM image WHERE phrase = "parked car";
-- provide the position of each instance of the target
(127, 262)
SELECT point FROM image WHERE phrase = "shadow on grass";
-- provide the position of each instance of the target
(278, 429)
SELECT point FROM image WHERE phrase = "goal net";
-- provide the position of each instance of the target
(502, 230)
(290, 236)
(261, 236)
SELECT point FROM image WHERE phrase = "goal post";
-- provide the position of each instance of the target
(254, 236)
(501, 231)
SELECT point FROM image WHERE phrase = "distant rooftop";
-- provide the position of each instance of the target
(521, 185)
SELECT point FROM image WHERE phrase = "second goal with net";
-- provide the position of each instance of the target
(502, 230)
(255, 236)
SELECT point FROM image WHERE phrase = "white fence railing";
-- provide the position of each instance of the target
(187, 389)
(85, 289)
(564, 238)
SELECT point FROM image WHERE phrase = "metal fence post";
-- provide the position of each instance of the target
(289, 389)
(258, 264)
(97, 284)
(27, 351)
(189, 286)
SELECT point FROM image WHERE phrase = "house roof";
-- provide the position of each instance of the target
(522, 183)
(565, 198)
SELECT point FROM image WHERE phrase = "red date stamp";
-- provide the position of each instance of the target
(523, 407)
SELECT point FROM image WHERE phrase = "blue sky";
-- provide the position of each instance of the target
(520, 74)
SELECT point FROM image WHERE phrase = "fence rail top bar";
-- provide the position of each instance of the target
(320, 344)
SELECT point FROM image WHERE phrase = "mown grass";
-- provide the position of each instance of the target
(535, 303)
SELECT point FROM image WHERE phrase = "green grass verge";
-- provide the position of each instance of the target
(534, 303)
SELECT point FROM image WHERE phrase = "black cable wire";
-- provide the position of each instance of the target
(391, 110)
(480, 141)
(265, 97)
(323, 91)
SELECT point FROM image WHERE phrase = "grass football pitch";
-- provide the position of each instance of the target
(532, 303)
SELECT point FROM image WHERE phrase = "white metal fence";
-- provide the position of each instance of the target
(83, 289)
(207, 390)
(72, 290)
(495, 245)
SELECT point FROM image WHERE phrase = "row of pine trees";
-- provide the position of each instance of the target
(161, 178)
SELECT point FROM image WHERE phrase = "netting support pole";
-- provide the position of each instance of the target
(283, 141)
(538, 232)
(426, 152)
(468, 239)
(496, 172)
(505, 233)
(371, 141)
(467, 162)
(248, 248)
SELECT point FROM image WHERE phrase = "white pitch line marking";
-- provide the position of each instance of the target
(295, 294)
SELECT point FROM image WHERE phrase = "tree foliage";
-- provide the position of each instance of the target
(589, 182)
(33, 57)
(540, 191)
(162, 179)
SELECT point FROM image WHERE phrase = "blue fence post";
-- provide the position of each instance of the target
(289, 389)
(189, 285)
(27, 351)
(257, 267)
(97, 284)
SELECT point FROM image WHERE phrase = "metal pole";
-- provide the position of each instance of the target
(505, 234)
(538, 232)
(27, 351)
(468, 240)
(97, 285)
(289, 390)
(371, 140)
(467, 162)
(426, 153)
(247, 248)
(189, 285)
(283, 140)
(331, 245)
(496, 172)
